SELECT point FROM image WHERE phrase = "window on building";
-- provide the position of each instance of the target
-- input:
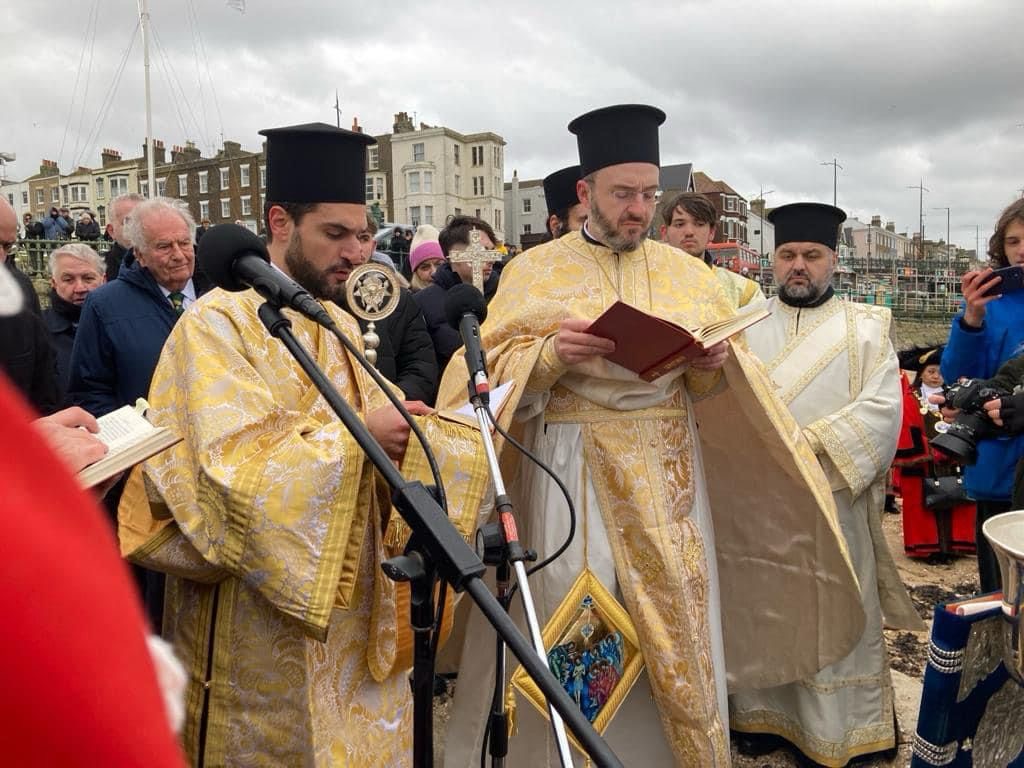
(243, 175)
(458, 184)
(373, 158)
(263, 177)
(204, 182)
(428, 214)
(497, 218)
(64, 193)
(414, 215)
(458, 211)
(414, 183)
(182, 184)
(428, 181)
(225, 177)
(455, 148)
(204, 209)
(55, 194)
(477, 214)
(380, 188)
(118, 186)
(225, 208)
(246, 205)
(478, 154)
(144, 187)
(478, 186)
(527, 205)
(730, 203)
(418, 152)
(369, 188)
(79, 193)
(24, 197)
(101, 214)
(39, 197)
(497, 157)
(161, 187)
(497, 184)
(100, 188)
(527, 229)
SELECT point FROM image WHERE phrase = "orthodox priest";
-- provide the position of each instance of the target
(640, 580)
(835, 367)
(268, 519)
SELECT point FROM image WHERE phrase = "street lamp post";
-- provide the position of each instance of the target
(761, 215)
(836, 167)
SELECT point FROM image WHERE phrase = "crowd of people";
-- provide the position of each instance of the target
(757, 604)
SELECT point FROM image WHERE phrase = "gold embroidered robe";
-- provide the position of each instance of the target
(740, 290)
(640, 479)
(835, 368)
(270, 524)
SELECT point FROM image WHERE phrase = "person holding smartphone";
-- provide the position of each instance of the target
(988, 331)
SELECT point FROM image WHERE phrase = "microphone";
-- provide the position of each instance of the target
(236, 259)
(465, 309)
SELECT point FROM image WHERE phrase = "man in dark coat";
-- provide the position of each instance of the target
(453, 238)
(25, 353)
(76, 270)
(405, 355)
(124, 325)
(120, 209)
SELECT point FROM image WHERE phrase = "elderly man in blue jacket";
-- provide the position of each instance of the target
(125, 323)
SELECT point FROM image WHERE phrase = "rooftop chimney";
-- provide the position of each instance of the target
(403, 123)
(110, 156)
(876, 221)
(356, 127)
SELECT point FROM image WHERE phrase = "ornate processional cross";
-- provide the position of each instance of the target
(476, 256)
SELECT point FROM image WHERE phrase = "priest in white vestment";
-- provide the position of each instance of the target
(630, 454)
(833, 364)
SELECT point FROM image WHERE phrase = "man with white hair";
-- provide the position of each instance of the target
(125, 323)
(120, 209)
(75, 271)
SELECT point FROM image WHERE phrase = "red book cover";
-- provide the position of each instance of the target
(645, 344)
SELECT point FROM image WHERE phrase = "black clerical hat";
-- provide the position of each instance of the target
(625, 133)
(807, 223)
(560, 189)
(316, 163)
(919, 358)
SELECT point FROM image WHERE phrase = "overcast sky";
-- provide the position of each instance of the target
(757, 93)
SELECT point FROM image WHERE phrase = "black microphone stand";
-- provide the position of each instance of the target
(437, 549)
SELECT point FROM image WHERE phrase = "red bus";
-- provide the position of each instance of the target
(734, 256)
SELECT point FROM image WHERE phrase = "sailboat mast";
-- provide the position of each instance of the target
(150, 162)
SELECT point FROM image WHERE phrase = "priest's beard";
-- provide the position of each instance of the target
(308, 276)
(803, 295)
(602, 228)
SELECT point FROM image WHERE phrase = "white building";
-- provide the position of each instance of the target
(115, 177)
(437, 172)
(526, 211)
(16, 193)
(760, 232)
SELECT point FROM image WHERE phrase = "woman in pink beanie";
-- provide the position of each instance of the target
(424, 261)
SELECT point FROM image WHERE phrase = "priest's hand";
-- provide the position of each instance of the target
(712, 358)
(70, 433)
(973, 286)
(390, 430)
(574, 345)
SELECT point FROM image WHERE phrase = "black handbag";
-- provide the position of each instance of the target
(943, 493)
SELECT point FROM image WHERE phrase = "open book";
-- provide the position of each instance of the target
(651, 347)
(130, 438)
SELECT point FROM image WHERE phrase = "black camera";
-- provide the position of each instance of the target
(961, 438)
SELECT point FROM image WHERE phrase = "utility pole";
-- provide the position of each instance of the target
(337, 107)
(836, 167)
(920, 213)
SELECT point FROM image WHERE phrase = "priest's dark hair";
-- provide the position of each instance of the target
(694, 203)
(295, 210)
(563, 219)
(1013, 212)
(456, 232)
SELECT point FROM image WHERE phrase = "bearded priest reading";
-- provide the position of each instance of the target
(268, 519)
(672, 532)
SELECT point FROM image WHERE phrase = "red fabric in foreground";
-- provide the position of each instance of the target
(78, 686)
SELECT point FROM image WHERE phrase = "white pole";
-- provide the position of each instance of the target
(150, 162)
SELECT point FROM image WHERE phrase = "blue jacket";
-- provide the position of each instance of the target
(121, 333)
(55, 228)
(978, 355)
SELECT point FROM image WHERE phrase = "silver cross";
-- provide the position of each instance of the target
(476, 256)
